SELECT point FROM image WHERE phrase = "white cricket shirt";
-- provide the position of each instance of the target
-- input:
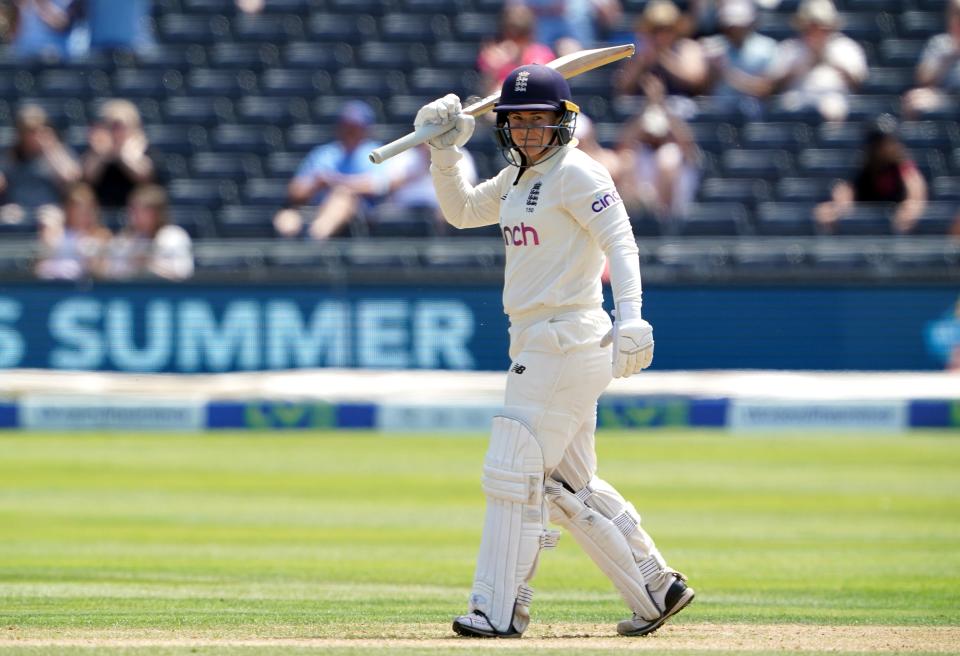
(557, 223)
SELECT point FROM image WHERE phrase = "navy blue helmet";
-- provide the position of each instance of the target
(529, 88)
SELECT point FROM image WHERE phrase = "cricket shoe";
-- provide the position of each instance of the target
(476, 625)
(672, 595)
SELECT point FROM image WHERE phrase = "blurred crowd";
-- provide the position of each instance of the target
(684, 52)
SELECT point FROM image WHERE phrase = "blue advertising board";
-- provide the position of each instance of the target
(214, 328)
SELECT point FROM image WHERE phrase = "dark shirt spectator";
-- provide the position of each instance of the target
(72, 243)
(37, 169)
(117, 160)
(887, 175)
(938, 72)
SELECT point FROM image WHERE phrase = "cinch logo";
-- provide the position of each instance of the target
(603, 201)
(517, 235)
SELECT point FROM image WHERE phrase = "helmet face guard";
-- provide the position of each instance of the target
(563, 131)
(534, 87)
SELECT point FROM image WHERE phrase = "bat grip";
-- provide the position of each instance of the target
(421, 135)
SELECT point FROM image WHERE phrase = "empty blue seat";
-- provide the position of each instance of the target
(828, 161)
(414, 28)
(176, 139)
(785, 219)
(271, 192)
(283, 164)
(840, 135)
(866, 219)
(315, 56)
(242, 221)
(294, 82)
(392, 55)
(200, 110)
(369, 81)
(901, 52)
(252, 56)
(169, 165)
(713, 219)
(259, 139)
(435, 82)
(865, 25)
(774, 135)
(177, 56)
(887, 80)
(302, 138)
(921, 24)
(372, 7)
(349, 28)
(132, 83)
(929, 134)
(777, 25)
(280, 112)
(747, 191)
(66, 83)
(393, 221)
(454, 54)
(713, 137)
(429, 6)
(758, 163)
(807, 190)
(472, 26)
(267, 28)
(197, 221)
(202, 193)
(213, 82)
(185, 28)
(945, 188)
(939, 218)
(229, 166)
(865, 107)
(209, 6)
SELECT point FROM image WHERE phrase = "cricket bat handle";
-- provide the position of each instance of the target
(421, 135)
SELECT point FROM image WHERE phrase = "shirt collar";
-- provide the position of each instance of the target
(547, 165)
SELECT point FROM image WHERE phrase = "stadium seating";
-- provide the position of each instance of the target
(232, 103)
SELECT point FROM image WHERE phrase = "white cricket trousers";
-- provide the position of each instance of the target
(557, 373)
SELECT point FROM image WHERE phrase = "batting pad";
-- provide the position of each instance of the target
(606, 543)
(513, 531)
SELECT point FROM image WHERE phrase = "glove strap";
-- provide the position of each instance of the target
(628, 310)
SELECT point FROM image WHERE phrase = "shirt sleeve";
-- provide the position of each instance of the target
(589, 195)
(462, 204)
(316, 160)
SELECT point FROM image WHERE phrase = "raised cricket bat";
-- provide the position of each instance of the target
(569, 66)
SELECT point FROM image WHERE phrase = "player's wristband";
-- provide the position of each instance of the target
(628, 310)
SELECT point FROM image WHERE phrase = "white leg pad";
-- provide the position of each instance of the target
(605, 541)
(514, 527)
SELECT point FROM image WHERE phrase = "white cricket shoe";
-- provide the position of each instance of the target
(672, 595)
(476, 625)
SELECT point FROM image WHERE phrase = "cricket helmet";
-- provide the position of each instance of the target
(534, 87)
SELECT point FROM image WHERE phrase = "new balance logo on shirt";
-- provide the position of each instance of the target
(518, 369)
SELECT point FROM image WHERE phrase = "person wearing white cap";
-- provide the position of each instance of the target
(738, 56)
(822, 67)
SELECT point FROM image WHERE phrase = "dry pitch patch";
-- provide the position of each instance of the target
(569, 638)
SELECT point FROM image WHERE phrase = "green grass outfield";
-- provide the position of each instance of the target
(331, 542)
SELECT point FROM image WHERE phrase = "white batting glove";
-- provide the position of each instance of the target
(446, 111)
(632, 339)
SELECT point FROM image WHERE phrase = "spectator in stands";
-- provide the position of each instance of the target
(516, 46)
(118, 24)
(587, 142)
(938, 72)
(667, 64)
(818, 70)
(411, 189)
(739, 57)
(336, 177)
(43, 28)
(887, 175)
(36, 170)
(250, 6)
(117, 160)
(149, 246)
(571, 25)
(661, 164)
(72, 242)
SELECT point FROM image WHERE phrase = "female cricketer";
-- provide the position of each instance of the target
(560, 216)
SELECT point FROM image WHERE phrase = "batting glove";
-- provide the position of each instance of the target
(632, 340)
(446, 112)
